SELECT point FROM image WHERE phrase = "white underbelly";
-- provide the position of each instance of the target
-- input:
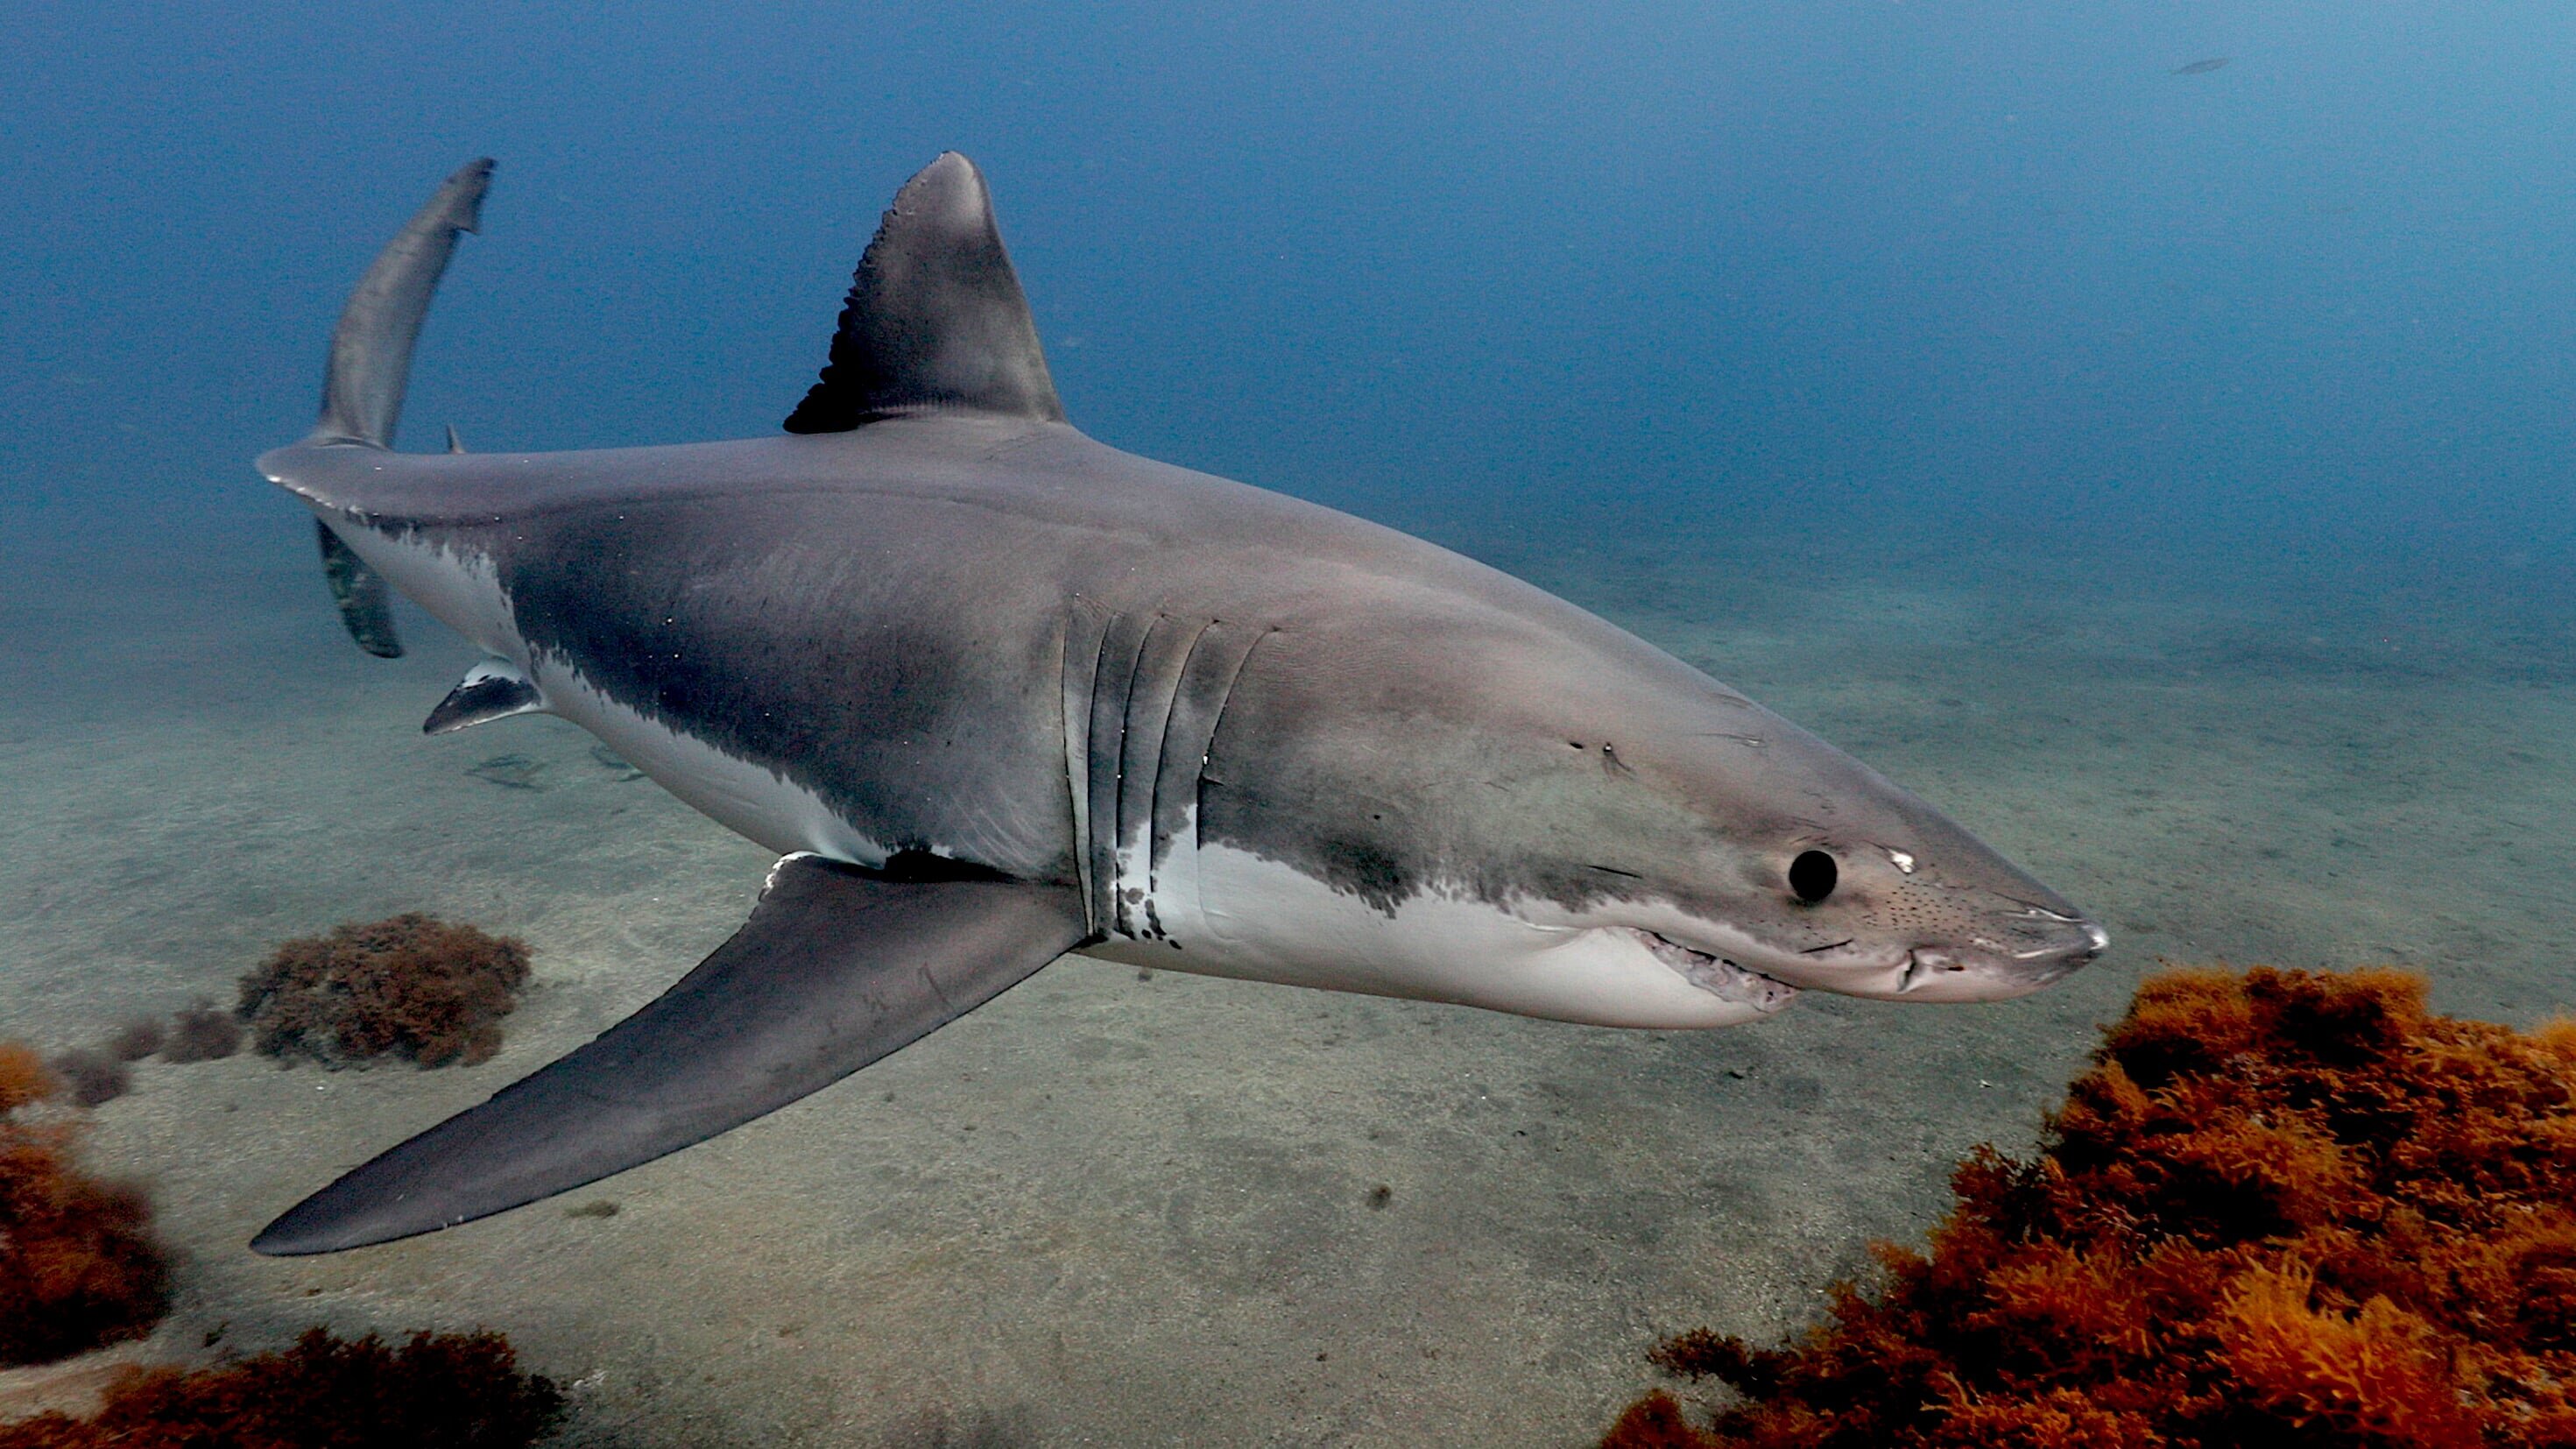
(1227, 912)
(750, 799)
(462, 590)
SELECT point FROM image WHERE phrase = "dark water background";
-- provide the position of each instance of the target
(1956, 281)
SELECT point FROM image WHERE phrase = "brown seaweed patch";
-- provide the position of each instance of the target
(410, 986)
(78, 1266)
(91, 1077)
(2281, 1207)
(437, 1391)
(201, 1032)
(137, 1039)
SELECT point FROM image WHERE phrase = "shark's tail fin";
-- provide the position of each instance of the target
(362, 388)
(371, 349)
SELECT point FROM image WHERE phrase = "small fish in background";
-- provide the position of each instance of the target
(2201, 67)
(510, 772)
(616, 763)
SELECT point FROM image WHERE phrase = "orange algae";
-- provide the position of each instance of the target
(2281, 1207)
(78, 1266)
(24, 1078)
(436, 1391)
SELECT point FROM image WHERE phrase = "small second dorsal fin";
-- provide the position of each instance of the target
(935, 321)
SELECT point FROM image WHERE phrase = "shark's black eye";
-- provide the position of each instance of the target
(1812, 875)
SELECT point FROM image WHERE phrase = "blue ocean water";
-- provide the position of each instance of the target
(2166, 466)
(1990, 269)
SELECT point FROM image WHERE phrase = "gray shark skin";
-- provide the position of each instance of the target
(996, 691)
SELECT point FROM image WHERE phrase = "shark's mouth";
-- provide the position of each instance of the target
(1718, 976)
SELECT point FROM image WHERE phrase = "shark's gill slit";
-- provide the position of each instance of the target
(1122, 642)
(1207, 678)
(1150, 692)
(1085, 630)
(1170, 727)
(1215, 724)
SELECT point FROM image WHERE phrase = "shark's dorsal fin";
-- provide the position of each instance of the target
(935, 321)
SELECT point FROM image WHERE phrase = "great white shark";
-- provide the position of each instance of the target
(996, 692)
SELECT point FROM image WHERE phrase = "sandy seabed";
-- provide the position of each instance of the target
(1124, 1210)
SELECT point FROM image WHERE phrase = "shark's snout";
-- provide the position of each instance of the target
(2037, 948)
(1993, 957)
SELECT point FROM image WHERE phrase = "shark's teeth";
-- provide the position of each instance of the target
(1719, 977)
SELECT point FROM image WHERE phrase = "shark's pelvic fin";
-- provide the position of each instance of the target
(836, 968)
(493, 689)
(935, 321)
(362, 391)
(360, 593)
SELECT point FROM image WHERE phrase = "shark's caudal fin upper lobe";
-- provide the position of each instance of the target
(362, 391)
(835, 968)
(362, 385)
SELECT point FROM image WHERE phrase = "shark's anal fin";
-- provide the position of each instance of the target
(935, 321)
(836, 968)
(493, 689)
(360, 593)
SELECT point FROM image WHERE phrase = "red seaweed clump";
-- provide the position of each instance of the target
(438, 1391)
(411, 986)
(2283, 1208)
(78, 1266)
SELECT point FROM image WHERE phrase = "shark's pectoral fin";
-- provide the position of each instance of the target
(360, 593)
(493, 689)
(836, 968)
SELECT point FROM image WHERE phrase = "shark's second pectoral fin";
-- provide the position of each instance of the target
(836, 968)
